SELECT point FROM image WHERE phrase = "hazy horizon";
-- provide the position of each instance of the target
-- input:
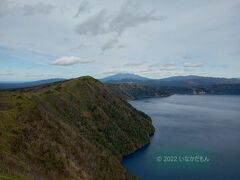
(23, 81)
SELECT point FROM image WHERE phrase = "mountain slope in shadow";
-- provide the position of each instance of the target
(133, 88)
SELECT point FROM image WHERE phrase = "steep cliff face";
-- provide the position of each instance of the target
(77, 129)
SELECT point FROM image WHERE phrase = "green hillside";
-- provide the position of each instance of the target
(77, 129)
(133, 91)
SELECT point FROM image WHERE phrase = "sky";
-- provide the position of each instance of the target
(44, 39)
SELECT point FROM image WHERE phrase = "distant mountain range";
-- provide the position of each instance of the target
(20, 85)
(133, 86)
(123, 77)
(176, 80)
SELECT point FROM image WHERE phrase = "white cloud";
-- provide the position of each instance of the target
(70, 60)
(167, 65)
(109, 72)
(171, 64)
(193, 65)
(135, 64)
(6, 74)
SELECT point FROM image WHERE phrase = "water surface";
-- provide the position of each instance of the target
(202, 126)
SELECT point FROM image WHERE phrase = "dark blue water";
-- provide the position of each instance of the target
(195, 127)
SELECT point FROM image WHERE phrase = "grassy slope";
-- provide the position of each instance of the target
(77, 129)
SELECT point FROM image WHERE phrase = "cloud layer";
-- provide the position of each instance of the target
(104, 22)
(39, 8)
(84, 5)
(193, 65)
(152, 38)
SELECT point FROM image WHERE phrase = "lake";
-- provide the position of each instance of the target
(197, 137)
